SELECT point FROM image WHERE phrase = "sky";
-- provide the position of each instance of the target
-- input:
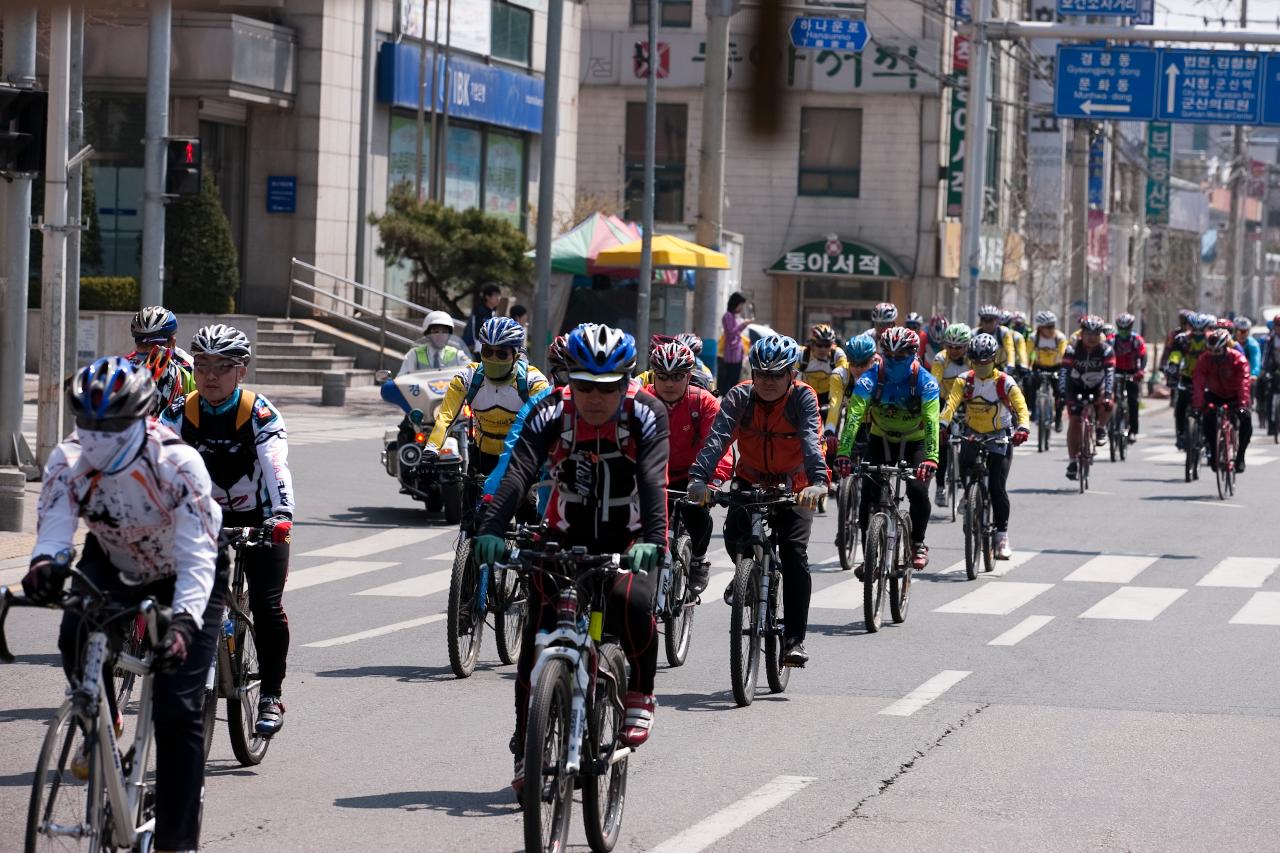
(1263, 14)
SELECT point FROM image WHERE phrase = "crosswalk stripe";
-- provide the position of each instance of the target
(376, 632)
(1016, 558)
(1112, 568)
(715, 586)
(1255, 461)
(1246, 572)
(845, 595)
(1262, 608)
(418, 587)
(383, 540)
(926, 693)
(1021, 631)
(1138, 603)
(995, 599)
(330, 572)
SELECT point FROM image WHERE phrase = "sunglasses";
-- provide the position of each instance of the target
(901, 356)
(584, 387)
(670, 377)
(498, 353)
(771, 374)
(215, 368)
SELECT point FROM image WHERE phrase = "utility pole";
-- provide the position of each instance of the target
(366, 140)
(442, 151)
(1234, 289)
(53, 278)
(650, 154)
(711, 165)
(541, 322)
(975, 157)
(75, 197)
(161, 26)
(19, 70)
(425, 90)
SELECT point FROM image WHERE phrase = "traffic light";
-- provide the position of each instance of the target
(182, 166)
(22, 124)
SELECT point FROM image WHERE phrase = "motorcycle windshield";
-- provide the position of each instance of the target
(454, 353)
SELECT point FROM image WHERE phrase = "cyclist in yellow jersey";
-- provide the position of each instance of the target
(496, 387)
(825, 368)
(1047, 347)
(1187, 349)
(989, 322)
(1019, 344)
(994, 407)
(949, 366)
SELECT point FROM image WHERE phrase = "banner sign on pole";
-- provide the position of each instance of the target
(1114, 8)
(1159, 152)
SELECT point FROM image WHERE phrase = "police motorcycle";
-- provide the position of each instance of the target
(437, 482)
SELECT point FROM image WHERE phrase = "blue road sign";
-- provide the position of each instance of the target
(829, 34)
(1117, 8)
(1271, 84)
(1117, 83)
(1210, 86)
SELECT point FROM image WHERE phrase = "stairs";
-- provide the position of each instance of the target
(287, 353)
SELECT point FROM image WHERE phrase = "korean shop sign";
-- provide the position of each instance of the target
(834, 257)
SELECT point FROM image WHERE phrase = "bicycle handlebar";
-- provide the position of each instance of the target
(900, 469)
(753, 497)
(83, 602)
(242, 537)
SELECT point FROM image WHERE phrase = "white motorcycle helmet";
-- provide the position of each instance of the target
(438, 318)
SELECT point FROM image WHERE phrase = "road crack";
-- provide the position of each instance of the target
(903, 769)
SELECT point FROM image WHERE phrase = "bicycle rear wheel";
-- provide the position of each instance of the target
(60, 803)
(465, 626)
(875, 572)
(604, 794)
(548, 787)
(847, 494)
(777, 674)
(242, 705)
(678, 625)
(513, 610)
(900, 576)
(972, 532)
(744, 632)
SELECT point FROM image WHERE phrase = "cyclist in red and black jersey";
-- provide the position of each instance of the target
(1131, 365)
(1221, 378)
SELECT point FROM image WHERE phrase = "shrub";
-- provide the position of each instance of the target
(98, 293)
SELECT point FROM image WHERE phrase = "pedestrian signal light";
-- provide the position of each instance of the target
(182, 166)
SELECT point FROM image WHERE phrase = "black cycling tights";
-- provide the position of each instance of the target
(266, 570)
(792, 525)
(997, 478)
(882, 452)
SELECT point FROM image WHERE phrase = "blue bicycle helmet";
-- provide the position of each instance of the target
(774, 353)
(501, 332)
(154, 324)
(860, 349)
(600, 353)
(111, 393)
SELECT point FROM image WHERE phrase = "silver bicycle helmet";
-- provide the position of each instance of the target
(222, 340)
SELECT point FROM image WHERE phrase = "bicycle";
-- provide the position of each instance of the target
(755, 601)
(1117, 431)
(848, 496)
(887, 560)
(476, 592)
(114, 807)
(1044, 408)
(234, 672)
(1088, 439)
(979, 528)
(1227, 447)
(674, 606)
(575, 704)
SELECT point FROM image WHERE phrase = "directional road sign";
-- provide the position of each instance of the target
(1106, 82)
(829, 34)
(1210, 86)
(1115, 8)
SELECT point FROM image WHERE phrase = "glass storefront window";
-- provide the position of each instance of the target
(462, 172)
(402, 150)
(504, 177)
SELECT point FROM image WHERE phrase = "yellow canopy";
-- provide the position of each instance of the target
(668, 252)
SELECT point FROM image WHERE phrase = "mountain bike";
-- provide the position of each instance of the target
(979, 528)
(755, 601)
(848, 496)
(1117, 426)
(675, 606)
(477, 591)
(575, 705)
(1088, 439)
(113, 806)
(1227, 447)
(887, 559)
(1044, 408)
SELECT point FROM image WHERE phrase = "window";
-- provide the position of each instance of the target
(504, 176)
(830, 152)
(672, 13)
(669, 162)
(462, 168)
(509, 32)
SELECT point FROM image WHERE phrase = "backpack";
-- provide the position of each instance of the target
(522, 381)
(914, 403)
(1002, 387)
(628, 426)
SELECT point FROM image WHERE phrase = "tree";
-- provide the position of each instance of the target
(91, 236)
(452, 252)
(202, 272)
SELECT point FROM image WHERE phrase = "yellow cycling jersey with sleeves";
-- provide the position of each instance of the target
(828, 378)
(991, 405)
(947, 372)
(1047, 352)
(494, 405)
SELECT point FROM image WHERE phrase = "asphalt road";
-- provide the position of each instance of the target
(1113, 687)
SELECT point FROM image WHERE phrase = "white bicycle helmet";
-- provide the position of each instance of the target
(222, 340)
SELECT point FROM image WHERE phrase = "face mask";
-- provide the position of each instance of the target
(897, 369)
(498, 369)
(108, 452)
(438, 339)
(984, 371)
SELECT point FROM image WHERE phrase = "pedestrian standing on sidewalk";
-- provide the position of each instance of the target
(732, 324)
(486, 306)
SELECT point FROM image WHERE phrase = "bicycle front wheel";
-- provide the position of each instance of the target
(548, 787)
(984, 519)
(744, 632)
(972, 531)
(63, 806)
(875, 572)
(242, 705)
(604, 794)
(777, 674)
(210, 709)
(847, 522)
(1192, 467)
(678, 625)
(464, 624)
(513, 610)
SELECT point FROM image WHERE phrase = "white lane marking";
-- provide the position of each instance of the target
(1167, 456)
(444, 555)
(330, 572)
(384, 540)
(711, 829)
(375, 632)
(418, 587)
(1219, 503)
(1255, 461)
(995, 599)
(1262, 608)
(1112, 568)
(845, 595)
(1021, 631)
(716, 585)
(1001, 568)
(926, 693)
(1246, 572)
(1139, 603)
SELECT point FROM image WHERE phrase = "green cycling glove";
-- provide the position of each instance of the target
(489, 549)
(643, 556)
